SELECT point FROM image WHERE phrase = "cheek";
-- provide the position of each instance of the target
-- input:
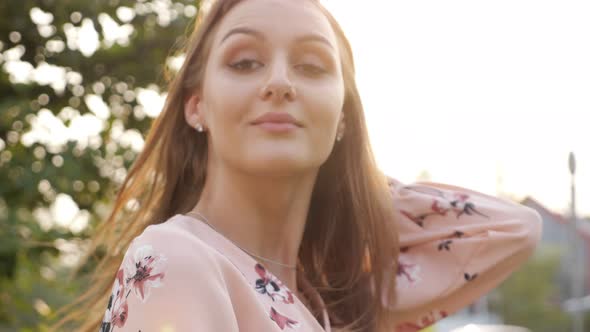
(325, 108)
(226, 103)
(222, 118)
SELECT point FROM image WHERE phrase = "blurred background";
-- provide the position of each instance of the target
(491, 96)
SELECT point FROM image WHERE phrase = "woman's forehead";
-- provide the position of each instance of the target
(276, 20)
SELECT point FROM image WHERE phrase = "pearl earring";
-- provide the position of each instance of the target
(199, 127)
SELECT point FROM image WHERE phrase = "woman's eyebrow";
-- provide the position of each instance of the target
(259, 35)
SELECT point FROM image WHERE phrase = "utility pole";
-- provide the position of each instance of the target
(577, 286)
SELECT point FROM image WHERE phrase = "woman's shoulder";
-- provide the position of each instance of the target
(174, 242)
(169, 280)
(174, 227)
(173, 232)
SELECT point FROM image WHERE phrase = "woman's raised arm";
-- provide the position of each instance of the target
(456, 245)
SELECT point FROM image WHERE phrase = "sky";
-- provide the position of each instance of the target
(488, 95)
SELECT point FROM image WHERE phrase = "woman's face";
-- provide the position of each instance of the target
(273, 90)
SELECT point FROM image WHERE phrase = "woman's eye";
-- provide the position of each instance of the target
(312, 69)
(245, 65)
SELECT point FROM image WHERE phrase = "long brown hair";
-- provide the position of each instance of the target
(350, 237)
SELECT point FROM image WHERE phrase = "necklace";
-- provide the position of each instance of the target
(206, 221)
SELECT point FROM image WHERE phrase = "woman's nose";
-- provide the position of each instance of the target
(278, 87)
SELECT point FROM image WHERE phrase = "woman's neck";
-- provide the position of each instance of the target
(264, 215)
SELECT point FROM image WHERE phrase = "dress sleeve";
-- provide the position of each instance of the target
(168, 282)
(456, 245)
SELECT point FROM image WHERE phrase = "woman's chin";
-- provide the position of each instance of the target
(281, 165)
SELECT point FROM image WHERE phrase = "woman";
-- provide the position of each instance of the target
(257, 205)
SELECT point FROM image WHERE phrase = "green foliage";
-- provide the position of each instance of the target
(43, 169)
(531, 298)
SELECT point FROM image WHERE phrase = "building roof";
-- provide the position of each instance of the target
(583, 227)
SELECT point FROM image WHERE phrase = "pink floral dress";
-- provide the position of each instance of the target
(456, 245)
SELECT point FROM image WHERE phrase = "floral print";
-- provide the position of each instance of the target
(116, 313)
(408, 273)
(140, 273)
(437, 205)
(442, 202)
(268, 284)
(145, 271)
(281, 320)
(427, 320)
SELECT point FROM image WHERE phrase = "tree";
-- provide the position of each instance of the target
(80, 82)
(530, 297)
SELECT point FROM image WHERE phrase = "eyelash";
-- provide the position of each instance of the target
(239, 64)
(315, 70)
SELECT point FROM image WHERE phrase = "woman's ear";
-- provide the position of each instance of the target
(192, 111)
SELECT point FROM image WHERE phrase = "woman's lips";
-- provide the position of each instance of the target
(277, 127)
(277, 122)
